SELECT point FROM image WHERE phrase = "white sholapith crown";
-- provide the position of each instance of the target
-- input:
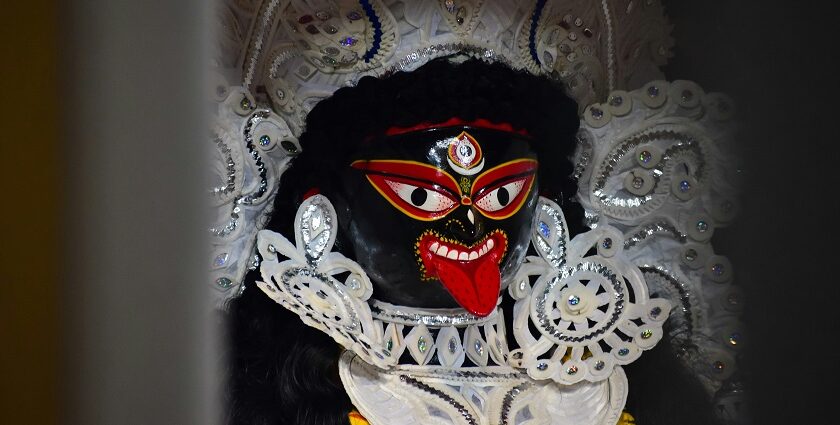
(302, 51)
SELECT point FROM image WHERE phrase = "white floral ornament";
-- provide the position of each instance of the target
(592, 312)
(682, 137)
(301, 277)
(578, 303)
(305, 282)
(252, 148)
(378, 332)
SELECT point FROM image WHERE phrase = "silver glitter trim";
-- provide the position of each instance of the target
(255, 262)
(507, 402)
(462, 374)
(230, 167)
(249, 143)
(688, 143)
(430, 52)
(254, 50)
(650, 229)
(437, 318)
(580, 167)
(610, 46)
(316, 226)
(230, 226)
(591, 219)
(684, 142)
(546, 323)
(280, 59)
(554, 255)
(434, 391)
(585, 155)
(233, 221)
(685, 296)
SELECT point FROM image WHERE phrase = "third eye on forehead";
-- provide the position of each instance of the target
(484, 149)
(465, 151)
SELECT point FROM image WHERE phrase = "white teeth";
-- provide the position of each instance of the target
(454, 254)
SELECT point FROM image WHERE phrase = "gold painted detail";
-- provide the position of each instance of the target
(465, 185)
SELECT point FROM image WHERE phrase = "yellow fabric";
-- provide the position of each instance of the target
(626, 419)
(568, 355)
(357, 419)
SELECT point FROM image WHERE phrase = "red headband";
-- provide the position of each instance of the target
(453, 122)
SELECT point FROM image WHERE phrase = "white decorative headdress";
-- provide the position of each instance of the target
(654, 179)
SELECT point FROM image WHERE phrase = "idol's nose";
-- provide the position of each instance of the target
(467, 227)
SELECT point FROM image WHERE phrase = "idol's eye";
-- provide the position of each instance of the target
(502, 200)
(500, 192)
(420, 191)
(500, 197)
(417, 199)
(420, 197)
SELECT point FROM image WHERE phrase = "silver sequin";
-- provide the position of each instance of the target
(395, 314)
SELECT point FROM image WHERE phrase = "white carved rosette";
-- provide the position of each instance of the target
(588, 309)
(305, 282)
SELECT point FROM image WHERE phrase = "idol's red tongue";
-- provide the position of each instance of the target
(474, 284)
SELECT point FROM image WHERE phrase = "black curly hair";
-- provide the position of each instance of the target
(437, 91)
(284, 372)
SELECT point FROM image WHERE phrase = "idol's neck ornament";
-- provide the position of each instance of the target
(578, 317)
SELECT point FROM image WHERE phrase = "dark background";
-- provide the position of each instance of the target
(778, 61)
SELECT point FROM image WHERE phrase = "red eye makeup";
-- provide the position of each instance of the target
(500, 192)
(428, 193)
(418, 190)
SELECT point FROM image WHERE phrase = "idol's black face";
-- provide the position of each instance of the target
(441, 217)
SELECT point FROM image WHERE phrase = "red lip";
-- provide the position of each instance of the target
(472, 276)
